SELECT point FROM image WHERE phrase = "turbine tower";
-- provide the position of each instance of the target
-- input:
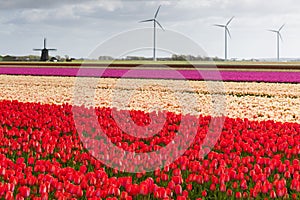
(45, 52)
(278, 36)
(154, 31)
(226, 33)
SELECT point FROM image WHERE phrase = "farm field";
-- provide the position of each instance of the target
(44, 152)
(173, 64)
(254, 72)
(150, 62)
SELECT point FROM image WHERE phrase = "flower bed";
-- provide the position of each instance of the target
(41, 157)
(255, 101)
(250, 76)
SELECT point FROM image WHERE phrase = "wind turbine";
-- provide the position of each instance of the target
(154, 30)
(278, 36)
(45, 52)
(226, 32)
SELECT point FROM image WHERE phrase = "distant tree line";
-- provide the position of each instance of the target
(66, 58)
(35, 58)
(194, 58)
(105, 58)
(19, 58)
(176, 57)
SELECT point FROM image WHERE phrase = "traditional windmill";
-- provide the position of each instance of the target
(45, 52)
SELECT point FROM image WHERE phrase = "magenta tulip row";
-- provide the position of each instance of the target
(251, 76)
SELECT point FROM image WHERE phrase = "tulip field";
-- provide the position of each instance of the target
(44, 152)
(234, 74)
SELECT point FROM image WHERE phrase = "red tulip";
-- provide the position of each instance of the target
(176, 172)
(273, 194)
(171, 185)
(264, 189)
(19, 197)
(235, 185)
(164, 177)
(238, 195)
(243, 184)
(177, 179)
(222, 187)
(212, 187)
(181, 198)
(10, 187)
(280, 192)
(9, 195)
(162, 193)
(157, 180)
(42, 189)
(178, 189)
(185, 193)
(189, 187)
(144, 190)
(44, 196)
(24, 191)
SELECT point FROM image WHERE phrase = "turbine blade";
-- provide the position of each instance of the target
(147, 20)
(229, 21)
(157, 12)
(280, 36)
(159, 25)
(227, 30)
(52, 49)
(273, 31)
(44, 43)
(281, 27)
(219, 25)
(37, 49)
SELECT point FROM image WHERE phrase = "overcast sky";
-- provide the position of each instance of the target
(76, 27)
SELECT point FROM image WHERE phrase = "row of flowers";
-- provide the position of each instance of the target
(290, 76)
(233, 88)
(46, 152)
(255, 101)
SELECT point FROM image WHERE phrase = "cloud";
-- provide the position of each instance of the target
(94, 20)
